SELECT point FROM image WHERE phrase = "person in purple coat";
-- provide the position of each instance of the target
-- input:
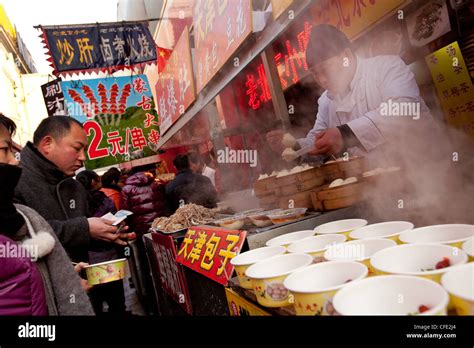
(36, 275)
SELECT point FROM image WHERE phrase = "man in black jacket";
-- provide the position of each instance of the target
(189, 187)
(47, 186)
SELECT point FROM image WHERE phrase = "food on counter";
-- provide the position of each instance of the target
(261, 219)
(233, 222)
(443, 263)
(287, 215)
(288, 140)
(185, 216)
(340, 182)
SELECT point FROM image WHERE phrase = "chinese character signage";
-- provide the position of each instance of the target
(54, 98)
(208, 250)
(171, 273)
(175, 86)
(353, 17)
(454, 86)
(119, 118)
(98, 47)
(220, 26)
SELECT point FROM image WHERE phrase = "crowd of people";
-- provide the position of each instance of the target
(45, 205)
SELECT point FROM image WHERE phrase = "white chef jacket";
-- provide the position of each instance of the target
(376, 80)
(210, 173)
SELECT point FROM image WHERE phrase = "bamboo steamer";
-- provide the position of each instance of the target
(299, 186)
(355, 166)
(300, 177)
(299, 200)
(264, 187)
(344, 202)
(354, 189)
(326, 198)
(269, 199)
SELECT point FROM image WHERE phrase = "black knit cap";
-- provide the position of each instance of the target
(325, 41)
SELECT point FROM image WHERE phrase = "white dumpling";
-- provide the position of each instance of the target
(337, 182)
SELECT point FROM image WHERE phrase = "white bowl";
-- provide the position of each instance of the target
(391, 295)
(316, 244)
(279, 265)
(389, 229)
(256, 255)
(438, 234)
(357, 250)
(326, 276)
(468, 247)
(314, 287)
(289, 238)
(340, 226)
(417, 259)
(459, 282)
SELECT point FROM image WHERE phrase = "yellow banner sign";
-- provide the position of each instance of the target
(454, 86)
(238, 306)
(353, 17)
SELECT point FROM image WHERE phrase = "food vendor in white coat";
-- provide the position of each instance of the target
(367, 102)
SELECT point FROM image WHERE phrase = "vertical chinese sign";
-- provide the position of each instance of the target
(54, 98)
(119, 118)
(454, 86)
(209, 250)
(172, 278)
(220, 27)
(98, 47)
(175, 86)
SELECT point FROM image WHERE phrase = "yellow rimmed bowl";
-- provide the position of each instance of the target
(459, 282)
(417, 260)
(340, 226)
(289, 238)
(314, 287)
(452, 234)
(390, 230)
(392, 295)
(316, 245)
(358, 250)
(105, 272)
(267, 277)
(243, 261)
(468, 248)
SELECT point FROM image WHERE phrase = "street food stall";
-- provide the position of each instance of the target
(238, 71)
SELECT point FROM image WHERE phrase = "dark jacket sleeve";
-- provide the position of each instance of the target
(72, 233)
(209, 192)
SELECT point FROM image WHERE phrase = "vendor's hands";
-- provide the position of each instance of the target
(102, 229)
(274, 139)
(328, 142)
(78, 268)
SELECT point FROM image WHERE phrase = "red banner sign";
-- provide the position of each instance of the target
(208, 250)
(219, 29)
(171, 274)
(175, 86)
